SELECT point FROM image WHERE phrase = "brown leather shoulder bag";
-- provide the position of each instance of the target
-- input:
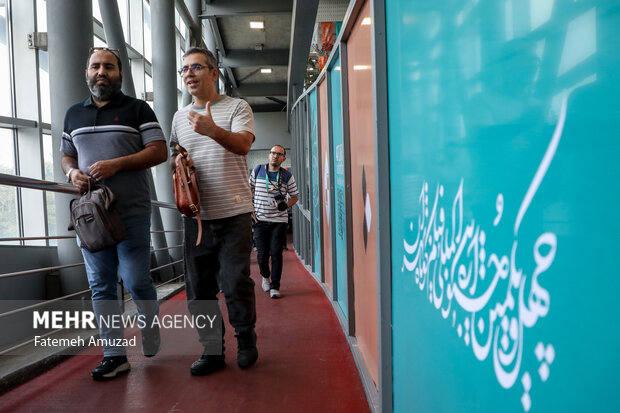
(186, 194)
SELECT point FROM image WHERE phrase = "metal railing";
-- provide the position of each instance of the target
(30, 183)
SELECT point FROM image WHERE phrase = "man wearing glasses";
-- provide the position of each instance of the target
(113, 139)
(271, 185)
(217, 132)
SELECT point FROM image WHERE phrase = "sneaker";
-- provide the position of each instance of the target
(151, 341)
(266, 284)
(207, 364)
(274, 293)
(110, 367)
(247, 353)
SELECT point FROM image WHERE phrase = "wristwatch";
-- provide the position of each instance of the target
(69, 174)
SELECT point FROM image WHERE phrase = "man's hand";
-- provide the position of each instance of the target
(104, 169)
(203, 124)
(79, 179)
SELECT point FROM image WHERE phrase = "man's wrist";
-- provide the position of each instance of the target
(68, 174)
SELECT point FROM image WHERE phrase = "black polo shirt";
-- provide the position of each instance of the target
(121, 127)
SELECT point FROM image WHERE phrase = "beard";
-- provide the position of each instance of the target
(104, 92)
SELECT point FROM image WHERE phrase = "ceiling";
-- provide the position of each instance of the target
(283, 45)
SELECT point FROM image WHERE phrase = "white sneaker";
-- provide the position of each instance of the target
(274, 293)
(266, 284)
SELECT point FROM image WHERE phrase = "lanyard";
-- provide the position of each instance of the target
(267, 178)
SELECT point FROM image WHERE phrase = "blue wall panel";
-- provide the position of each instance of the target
(316, 183)
(504, 159)
(340, 249)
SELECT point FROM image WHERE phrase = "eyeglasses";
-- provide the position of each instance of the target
(194, 68)
(276, 153)
(115, 51)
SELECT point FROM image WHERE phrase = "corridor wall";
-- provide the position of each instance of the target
(503, 120)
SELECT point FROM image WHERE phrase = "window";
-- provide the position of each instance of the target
(5, 65)
(48, 159)
(9, 227)
(148, 53)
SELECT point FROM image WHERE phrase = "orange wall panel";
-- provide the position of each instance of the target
(363, 189)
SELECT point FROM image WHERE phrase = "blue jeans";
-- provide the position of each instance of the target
(131, 260)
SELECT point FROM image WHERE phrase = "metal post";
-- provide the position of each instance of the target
(165, 102)
(114, 38)
(67, 63)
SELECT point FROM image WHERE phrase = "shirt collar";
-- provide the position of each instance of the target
(114, 100)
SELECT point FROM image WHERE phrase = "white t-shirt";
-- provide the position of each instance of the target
(222, 175)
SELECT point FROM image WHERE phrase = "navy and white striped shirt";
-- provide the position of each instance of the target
(265, 205)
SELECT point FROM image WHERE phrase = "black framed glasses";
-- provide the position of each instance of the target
(113, 50)
(276, 153)
(194, 68)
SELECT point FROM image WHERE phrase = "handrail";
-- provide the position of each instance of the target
(36, 270)
(42, 303)
(167, 248)
(23, 182)
(35, 238)
(163, 204)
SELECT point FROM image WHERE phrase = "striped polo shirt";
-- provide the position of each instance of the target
(265, 187)
(222, 175)
(121, 127)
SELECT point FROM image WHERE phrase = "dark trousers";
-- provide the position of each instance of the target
(269, 238)
(221, 261)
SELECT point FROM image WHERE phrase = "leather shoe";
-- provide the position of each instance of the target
(247, 353)
(207, 364)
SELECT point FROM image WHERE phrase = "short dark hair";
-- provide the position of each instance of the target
(211, 60)
(283, 148)
(104, 49)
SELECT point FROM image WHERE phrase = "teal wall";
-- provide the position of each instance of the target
(340, 247)
(504, 154)
(316, 187)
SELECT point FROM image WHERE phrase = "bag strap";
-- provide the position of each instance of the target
(181, 164)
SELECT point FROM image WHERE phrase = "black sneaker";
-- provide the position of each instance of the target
(207, 364)
(247, 354)
(110, 367)
(151, 340)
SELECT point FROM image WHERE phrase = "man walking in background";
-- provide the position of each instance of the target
(272, 185)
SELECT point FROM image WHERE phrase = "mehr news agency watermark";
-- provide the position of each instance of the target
(70, 326)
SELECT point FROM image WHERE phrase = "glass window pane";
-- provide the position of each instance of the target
(97, 42)
(122, 10)
(5, 68)
(41, 16)
(44, 87)
(147, 31)
(48, 159)
(96, 11)
(8, 194)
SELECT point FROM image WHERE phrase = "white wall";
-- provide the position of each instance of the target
(271, 129)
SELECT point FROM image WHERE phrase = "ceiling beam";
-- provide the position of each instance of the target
(267, 107)
(280, 101)
(262, 89)
(302, 28)
(251, 57)
(220, 46)
(221, 8)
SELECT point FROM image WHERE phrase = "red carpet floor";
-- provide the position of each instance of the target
(304, 365)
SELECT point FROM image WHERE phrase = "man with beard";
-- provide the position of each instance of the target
(217, 131)
(113, 139)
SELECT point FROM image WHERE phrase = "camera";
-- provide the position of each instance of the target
(280, 199)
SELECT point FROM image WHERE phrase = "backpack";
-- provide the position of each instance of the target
(94, 219)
